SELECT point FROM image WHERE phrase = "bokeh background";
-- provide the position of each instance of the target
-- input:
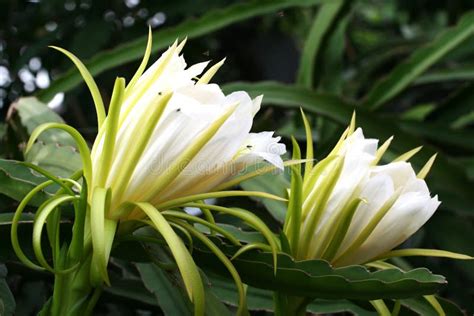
(387, 59)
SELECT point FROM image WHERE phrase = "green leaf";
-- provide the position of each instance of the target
(262, 300)
(7, 301)
(447, 178)
(331, 68)
(170, 294)
(80, 141)
(454, 109)
(316, 278)
(314, 44)
(16, 180)
(454, 234)
(273, 183)
(131, 291)
(458, 73)
(55, 151)
(192, 28)
(441, 134)
(237, 232)
(423, 58)
(30, 113)
(171, 298)
(422, 307)
(60, 160)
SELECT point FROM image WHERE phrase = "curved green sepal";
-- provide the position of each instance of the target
(252, 174)
(222, 194)
(242, 309)
(213, 227)
(143, 64)
(410, 252)
(110, 133)
(102, 234)
(99, 104)
(252, 220)
(81, 144)
(186, 265)
(206, 78)
(46, 209)
(14, 229)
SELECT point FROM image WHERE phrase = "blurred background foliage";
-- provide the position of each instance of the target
(406, 66)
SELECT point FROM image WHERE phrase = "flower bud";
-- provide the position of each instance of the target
(355, 210)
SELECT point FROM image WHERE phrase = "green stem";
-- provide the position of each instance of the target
(289, 305)
(72, 291)
(57, 307)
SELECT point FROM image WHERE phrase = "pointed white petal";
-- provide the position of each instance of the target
(408, 214)
(261, 146)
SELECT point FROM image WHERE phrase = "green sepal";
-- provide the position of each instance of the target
(40, 219)
(143, 63)
(426, 168)
(187, 267)
(102, 232)
(222, 194)
(110, 133)
(242, 309)
(251, 246)
(80, 211)
(258, 172)
(292, 224)
(15, 221)
(309, 145)
(252, 220)
(212, 226)
(369, 228)
(381, 308)
(340, 227)
(317, 204)
(381, 151)
(425, 253)
(94, 90)
(139, 91)
(284, 243)
(207, 76)
(136, 146)
(80, 141)
(406, 156)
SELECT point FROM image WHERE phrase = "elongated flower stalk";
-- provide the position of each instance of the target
(350, 209)
(168, 141)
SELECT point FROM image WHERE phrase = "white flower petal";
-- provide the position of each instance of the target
(221, 148)
(261, 146)
(376, 191)
(401, 172)
(409, 213)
